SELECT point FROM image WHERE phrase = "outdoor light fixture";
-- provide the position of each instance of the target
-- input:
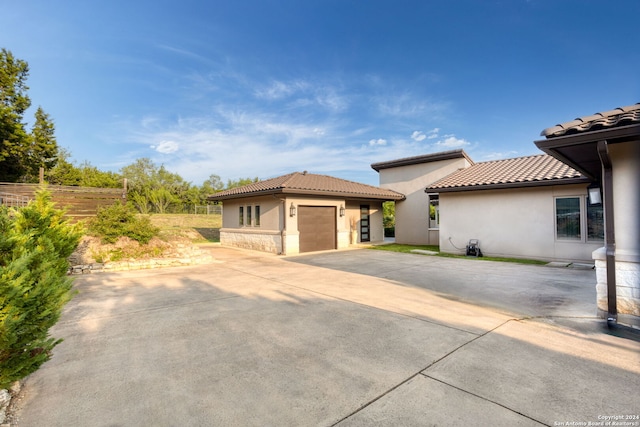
(595, 197)
(341, 210)
(292, 210)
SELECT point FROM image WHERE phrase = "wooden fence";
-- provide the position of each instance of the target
(80, 202)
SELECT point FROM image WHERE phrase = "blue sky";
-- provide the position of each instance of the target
(263, 88)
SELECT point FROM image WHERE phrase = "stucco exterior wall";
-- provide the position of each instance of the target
(512, 222)
(625, 160)
(278, 231)
(412, 214)
(266, 237)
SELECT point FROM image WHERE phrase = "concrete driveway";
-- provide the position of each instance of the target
(354, 338)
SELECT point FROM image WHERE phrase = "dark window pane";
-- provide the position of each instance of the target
(595, 222)
(241, 216)
(257, 216)
(249, 216)
(568, 218)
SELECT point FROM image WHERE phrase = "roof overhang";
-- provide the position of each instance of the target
(580, 150)
(509, 185)
(426, 158)
(313, 193)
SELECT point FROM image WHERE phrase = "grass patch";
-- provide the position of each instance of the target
(395, 247)
(198, 228)
(186, 221)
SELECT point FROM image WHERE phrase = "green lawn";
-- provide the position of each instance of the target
(199, 228)
(395, 247)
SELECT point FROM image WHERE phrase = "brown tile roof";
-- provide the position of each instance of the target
(618, 117)
(526, 171)
(426, 158)
(309, 184)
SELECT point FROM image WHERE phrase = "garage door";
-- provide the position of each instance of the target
(317, 227)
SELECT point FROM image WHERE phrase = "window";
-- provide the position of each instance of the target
(578, 220)
(568, 218)
(241, 216)
(434, 211)
(249, 216)
(595, 222)
(257, 213)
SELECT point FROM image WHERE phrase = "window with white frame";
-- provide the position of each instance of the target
(577, 220)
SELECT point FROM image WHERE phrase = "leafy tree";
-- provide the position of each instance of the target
(240, 182)
(64, 172)
(389, 214)
(14, 101)
(91, 176)
(21, 153)
(35, 243)
(153, 188)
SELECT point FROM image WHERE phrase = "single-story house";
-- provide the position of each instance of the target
(528, 207)
(606, 148)
(545, 206)
(302, 212)
(509, 205)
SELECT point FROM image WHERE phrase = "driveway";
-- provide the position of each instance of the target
(354, 338)
(525, 290)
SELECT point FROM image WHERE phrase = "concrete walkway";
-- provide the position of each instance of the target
(337, 339)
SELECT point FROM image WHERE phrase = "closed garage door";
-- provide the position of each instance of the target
(317, 227)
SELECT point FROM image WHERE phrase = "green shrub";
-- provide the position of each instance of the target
(120, 220)
(35, 243)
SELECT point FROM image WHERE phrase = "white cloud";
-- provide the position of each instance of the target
(433, 133)
(451, 141)
(166, 147)
(279, 90)
(418, 136)
(379, 141)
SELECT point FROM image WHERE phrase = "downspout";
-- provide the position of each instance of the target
(610, 240)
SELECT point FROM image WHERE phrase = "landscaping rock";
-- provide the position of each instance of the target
(5, 399)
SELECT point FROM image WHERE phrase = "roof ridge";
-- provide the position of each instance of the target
(513, 158)
(288, 178)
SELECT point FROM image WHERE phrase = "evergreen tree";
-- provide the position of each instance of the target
(14, 101)
(35, 243)
(22, 154)
(43, 151)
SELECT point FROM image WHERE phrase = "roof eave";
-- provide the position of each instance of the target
(320, 193)
(614, 134)
(560, 147)
(507, 185)
(243, 195)
(417, 160)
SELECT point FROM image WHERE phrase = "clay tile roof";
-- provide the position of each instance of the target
(426, 158)
(309, 184)
(618, 117)
(526, 171)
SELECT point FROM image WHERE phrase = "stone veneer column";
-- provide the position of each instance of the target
(625, 158)
(627, 286)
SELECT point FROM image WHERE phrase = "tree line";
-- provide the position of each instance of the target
(24, 152)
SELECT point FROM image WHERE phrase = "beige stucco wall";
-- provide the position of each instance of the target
(267, 237)
(278, 231)
(511, 222)
(625, 159)
(412, 214)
